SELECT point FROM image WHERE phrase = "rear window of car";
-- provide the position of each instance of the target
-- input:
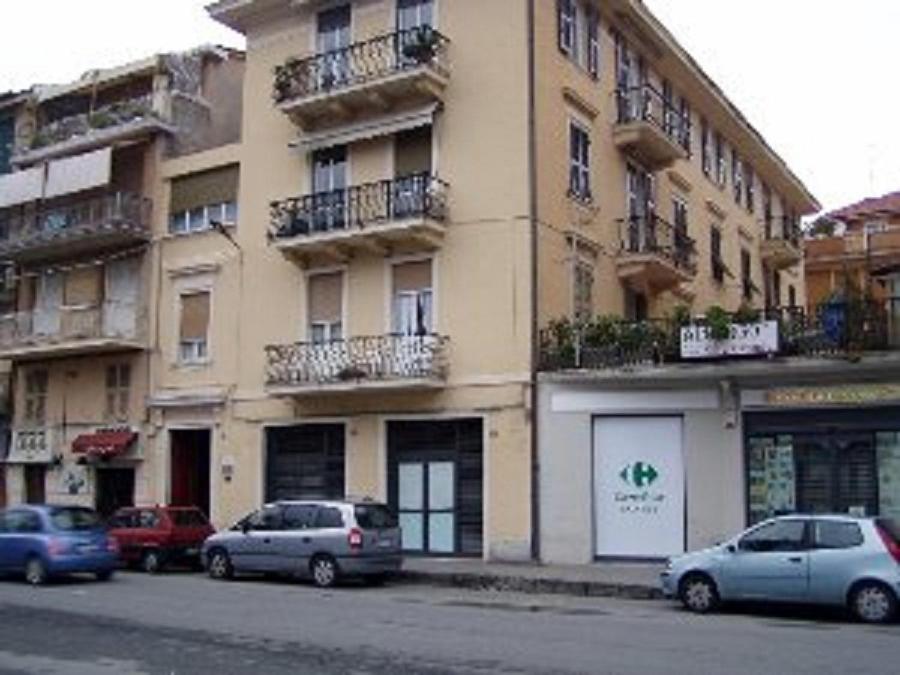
(836, 534)
(329, 517)
(188, 518)
(73, 518)
(374, 517)
(890, 527)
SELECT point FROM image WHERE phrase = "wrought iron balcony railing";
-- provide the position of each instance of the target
(111, 320)
(645, 104)
(652, 235)
(360, 207)
(783, 229)
(834, 330)
(359, 360)
(360, 63)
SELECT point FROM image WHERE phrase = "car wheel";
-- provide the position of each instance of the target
(324, 571)
(35, 571)
(698, 593)
(220, 565)
(872, 602)
(105, 575)
(151, 562)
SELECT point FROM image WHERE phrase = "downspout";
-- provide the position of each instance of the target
(535, 342)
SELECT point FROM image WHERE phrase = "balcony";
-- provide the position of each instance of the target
(126, 120)
(401, 214)
(110, 221)
(654, 255)
(71, 331)
(649, 129)
(405, 67)
(781, 247)
(383, 362)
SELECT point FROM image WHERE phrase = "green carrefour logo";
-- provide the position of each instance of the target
(639, 474)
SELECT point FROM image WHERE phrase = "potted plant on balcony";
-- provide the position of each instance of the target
(420, 44)
(718, 323)
(350, 373)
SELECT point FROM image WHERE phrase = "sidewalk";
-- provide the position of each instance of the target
(639, 581)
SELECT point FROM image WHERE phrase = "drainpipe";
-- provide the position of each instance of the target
(535, 342)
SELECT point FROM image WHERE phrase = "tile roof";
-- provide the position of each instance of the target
(873, 206)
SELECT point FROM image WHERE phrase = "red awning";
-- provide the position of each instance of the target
(104, 443)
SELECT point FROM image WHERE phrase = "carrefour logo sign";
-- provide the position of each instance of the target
(639, 474)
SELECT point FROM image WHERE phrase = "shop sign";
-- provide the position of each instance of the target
(853, 394)
(31, 446)
(745, 339)
(638, 487)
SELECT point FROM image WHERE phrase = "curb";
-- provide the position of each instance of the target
(492, 582)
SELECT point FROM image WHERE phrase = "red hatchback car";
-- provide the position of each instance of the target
(154, 536)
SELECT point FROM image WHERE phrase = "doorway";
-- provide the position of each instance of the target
(35, 483)
(190, 468)
(115, 489)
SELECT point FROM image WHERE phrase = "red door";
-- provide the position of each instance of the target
(190, 474)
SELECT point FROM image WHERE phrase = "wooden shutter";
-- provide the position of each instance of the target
(412, 276)
(203, 189)
(326, 298)
(84, 286)
(194, 316)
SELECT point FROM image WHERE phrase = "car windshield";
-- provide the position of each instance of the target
(74, 518)
(374, 517)
(188, 518)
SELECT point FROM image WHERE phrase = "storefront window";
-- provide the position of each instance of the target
(888, 451)
(772, 478)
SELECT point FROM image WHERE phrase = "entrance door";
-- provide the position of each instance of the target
(115, 489)
(35, 483)
(427, 504)
(836, 472)
(435, 484)
(190, 468)
(638, 487)
(120, 307)
(47, 303)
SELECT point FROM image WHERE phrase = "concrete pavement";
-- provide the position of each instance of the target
(186, 623)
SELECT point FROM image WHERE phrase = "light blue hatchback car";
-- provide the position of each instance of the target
(817, 559)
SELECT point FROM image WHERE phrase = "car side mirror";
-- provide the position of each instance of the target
(245, 527)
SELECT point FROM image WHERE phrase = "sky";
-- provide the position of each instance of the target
(816, 77)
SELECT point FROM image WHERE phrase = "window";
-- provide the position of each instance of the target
(583, 290)
(74, 518)
(299, 516)
(778, 536)
(715, 254)
(414, 14)
(22, 522)
(668, 108)
(705, 148)
(767, 210)
(568, 27)
(746, 276)
(118, 387)
(835, 534)
(7, 136)
(413, 300)
(200, 199)
(374, 517)
(579, 162)
(720, 159)
(737, 176)
(147, 519)
(329, 517)
(83, 286)
(266, 519)
(792, 296)
(776, 288)
(36, 396)
(685, 125)
(326, 293)
(750, 179)
(592, 19)
(680, 221)
(193, 344)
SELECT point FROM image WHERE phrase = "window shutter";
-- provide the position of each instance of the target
(194, 316)
(326, 298)
(203, 189)
(413, 276)
(84, 286)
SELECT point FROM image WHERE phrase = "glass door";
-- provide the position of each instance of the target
(414, 21)
(640, 209)
(427, 506)
(332, 40)
(329, 188)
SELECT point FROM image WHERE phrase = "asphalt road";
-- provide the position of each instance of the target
(176, 624)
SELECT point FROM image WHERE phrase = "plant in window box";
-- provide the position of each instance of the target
(718, 322)
(558, 344)
(420, 44)
(746, 314)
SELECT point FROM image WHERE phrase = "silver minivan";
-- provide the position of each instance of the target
(321, 540)
(817, 559)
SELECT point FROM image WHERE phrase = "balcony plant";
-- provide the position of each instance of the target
(718, 322)
(746, 314)
(420, 44)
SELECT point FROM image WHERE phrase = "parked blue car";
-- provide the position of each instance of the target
(45, 541)
(825, 560)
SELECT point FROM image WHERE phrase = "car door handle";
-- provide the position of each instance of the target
(267, 541)
(797, 560)
(306, 540)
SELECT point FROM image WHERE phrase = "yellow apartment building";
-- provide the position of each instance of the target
(421, 192)
(78, 218)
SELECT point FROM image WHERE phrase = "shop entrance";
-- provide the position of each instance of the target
(35, 483)
(115, 489)
(190, 468)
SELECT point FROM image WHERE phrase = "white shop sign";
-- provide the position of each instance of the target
(638, 487)
(745, 339)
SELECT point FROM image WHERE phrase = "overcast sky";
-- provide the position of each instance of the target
(816, 77)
